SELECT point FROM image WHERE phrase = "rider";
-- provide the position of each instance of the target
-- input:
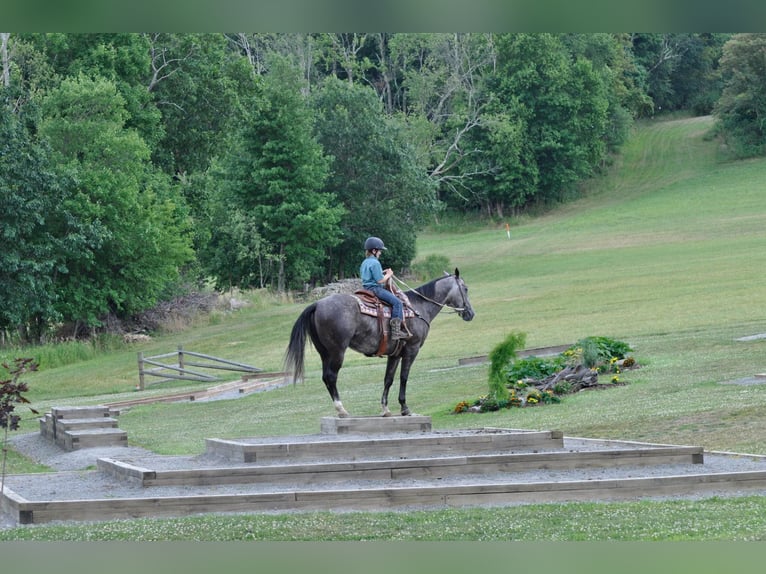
(374, 279)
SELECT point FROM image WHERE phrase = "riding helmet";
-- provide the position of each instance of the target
(374, 243)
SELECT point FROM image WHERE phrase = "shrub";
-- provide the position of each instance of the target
(606, 347)
(12, 393)
(534, 368)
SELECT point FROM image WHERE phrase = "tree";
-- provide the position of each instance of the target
(124, 59)
(4, 60)
(741, 110)
(276, 173)
(444, 79)
(505, 174)
(135, 232)
(679, 69)
(197, 83)
(563, 104)
(32, 208)
(375, 175)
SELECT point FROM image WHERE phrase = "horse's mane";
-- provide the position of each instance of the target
(429, 289)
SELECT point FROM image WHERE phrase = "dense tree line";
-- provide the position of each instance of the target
(133, 164)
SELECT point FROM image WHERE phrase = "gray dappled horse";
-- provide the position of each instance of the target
(335, 323)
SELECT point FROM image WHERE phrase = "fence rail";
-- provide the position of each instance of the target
(180, 369)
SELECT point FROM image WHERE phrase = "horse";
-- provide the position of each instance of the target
(335, 323)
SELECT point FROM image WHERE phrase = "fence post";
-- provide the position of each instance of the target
(181, 359)
(141, 370)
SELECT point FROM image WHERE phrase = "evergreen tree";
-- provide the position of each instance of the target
(275, 175)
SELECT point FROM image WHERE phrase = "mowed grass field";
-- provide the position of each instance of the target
(666, 252)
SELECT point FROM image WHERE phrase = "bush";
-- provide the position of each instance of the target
(534, 368)
(603, 348)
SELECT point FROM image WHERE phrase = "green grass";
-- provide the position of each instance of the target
(665, 252)
(679, 520)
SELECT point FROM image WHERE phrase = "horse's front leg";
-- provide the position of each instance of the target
(403, 376)
(391, 366)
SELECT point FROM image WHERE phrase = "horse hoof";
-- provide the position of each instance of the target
(386, 414)
(405, 412)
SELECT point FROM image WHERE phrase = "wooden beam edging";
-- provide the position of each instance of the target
(28, 512)
(398, 469)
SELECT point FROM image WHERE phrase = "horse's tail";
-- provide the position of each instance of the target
(294, 357)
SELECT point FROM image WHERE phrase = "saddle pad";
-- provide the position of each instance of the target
(370, 305)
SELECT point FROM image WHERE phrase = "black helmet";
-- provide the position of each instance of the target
(374, 243)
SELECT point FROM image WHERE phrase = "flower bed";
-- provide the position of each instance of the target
(535, 381)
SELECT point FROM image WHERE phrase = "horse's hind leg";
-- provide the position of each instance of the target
(330, 369)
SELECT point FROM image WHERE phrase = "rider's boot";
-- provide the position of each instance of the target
(396, 330)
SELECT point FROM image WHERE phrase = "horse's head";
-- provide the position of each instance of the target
(457, 297)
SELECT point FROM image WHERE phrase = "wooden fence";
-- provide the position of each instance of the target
(180, 369)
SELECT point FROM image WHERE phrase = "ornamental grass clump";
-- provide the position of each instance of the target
(499, 358)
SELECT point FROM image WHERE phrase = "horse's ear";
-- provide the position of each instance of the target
(457, 273)
(446, 274)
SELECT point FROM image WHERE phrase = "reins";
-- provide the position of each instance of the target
(442, 305)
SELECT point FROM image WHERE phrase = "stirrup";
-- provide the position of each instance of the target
(397, 333)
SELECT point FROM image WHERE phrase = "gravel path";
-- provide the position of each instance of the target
(76, 479)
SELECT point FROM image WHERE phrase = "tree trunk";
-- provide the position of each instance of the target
(281, 273)
(4, 36)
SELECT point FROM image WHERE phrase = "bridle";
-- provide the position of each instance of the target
(458, 310)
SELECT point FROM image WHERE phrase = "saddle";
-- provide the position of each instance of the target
(370, 305)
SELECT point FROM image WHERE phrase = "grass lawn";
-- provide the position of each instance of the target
(665, 251)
